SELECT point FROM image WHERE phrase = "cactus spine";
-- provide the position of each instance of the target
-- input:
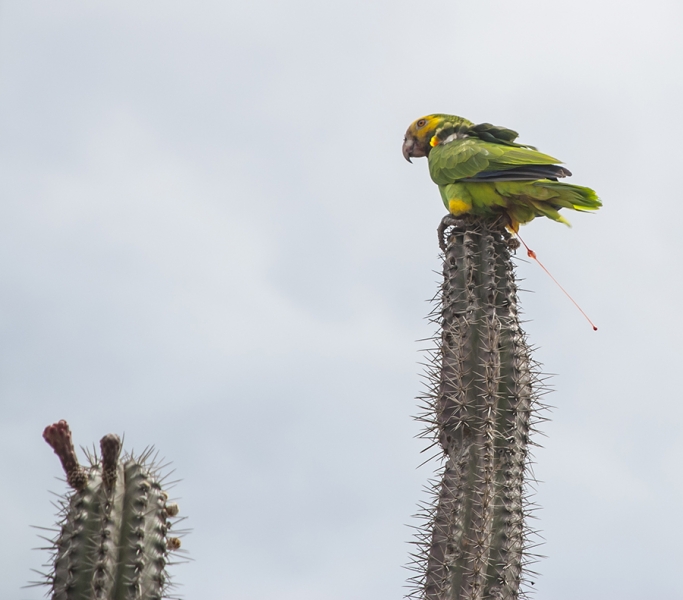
(484, 387)
(112, 542)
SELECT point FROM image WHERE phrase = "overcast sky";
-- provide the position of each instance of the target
(209, 241)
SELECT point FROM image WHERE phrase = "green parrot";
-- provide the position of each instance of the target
(481, 170)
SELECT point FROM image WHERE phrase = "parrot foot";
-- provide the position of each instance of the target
(448, 221)
(463, 221)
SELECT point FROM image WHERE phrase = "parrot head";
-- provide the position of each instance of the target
(432, 130)
(417, 140)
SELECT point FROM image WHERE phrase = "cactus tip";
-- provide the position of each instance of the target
(58, 436)
(110, 445)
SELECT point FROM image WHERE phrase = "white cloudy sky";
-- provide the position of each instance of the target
(210, 241)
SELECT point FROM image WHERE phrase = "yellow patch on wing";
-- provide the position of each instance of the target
(458, 207)
(434, 141)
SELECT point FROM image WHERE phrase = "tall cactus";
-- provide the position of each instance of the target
(483, 389)
(113, 540)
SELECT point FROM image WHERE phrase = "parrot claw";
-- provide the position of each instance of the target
(448, 221)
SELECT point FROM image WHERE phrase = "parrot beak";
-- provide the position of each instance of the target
(408, 145)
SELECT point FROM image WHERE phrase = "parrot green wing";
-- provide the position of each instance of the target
(462, 158)
(496, 134)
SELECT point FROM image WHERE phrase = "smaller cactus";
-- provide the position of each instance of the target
(113, 541)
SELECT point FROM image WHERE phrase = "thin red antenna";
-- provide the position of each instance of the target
(532, 254)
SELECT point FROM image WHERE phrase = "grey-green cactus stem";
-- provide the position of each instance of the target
(483, 390)
(113, 542)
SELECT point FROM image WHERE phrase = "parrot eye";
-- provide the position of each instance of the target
(421, 122)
